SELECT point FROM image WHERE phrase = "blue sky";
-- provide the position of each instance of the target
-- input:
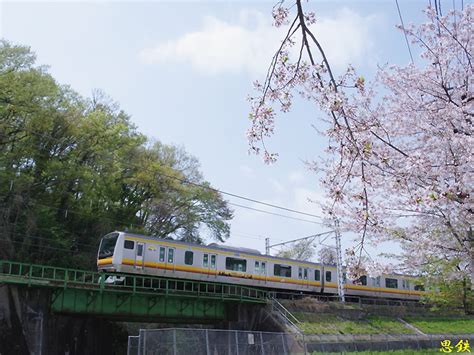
(183, 71)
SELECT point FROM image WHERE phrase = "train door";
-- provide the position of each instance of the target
(213, 265)
(162, 258)
(261, 271)
(139, 255)
(306, 277)
(170, 258)
(322, 279)
(205, 263)
(303, 276)
(209, 264)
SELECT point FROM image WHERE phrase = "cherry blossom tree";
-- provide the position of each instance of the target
(300, 250)
(399, 160)
(327, 255)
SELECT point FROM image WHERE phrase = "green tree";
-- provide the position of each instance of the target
(447, 283)
(184, 210)
(73, 169)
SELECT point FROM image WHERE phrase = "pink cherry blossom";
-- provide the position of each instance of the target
(399, 162)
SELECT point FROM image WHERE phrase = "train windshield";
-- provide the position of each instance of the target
(107, 245)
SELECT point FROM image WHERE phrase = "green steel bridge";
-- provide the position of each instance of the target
(138, 297)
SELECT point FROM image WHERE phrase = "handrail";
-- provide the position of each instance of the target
(14, 272)
(284, 311)
(286, 315)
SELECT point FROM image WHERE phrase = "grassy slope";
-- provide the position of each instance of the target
(331, 324)
(461, 325)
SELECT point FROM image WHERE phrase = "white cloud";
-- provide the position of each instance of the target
(296, 177)
(220, 46)
(308, 201)
(247, 171)
(277, 187)
(346, 38)
(248, 45)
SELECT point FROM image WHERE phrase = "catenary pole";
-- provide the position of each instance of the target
(340, 272)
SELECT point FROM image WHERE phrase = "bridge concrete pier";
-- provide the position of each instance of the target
(52, 310)
(31, 323)
(27, 326)
(244, 316)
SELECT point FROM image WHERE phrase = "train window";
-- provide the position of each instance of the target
(171, 255)
(263, 271)
(107, 245)
(305, 274)
(419, 288)
(282, 270)
(328, 276)
(205, 260)
(162, 254)
(188, 257)
(391, 283)
(257, 267)
(140, 249)
(317, 275)
(300, 273)
(361, 281)
(236, 264)
(129, 244)
(344, 277)
(405, 284)
(213, 261)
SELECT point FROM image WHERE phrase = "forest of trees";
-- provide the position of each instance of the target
(73, 169)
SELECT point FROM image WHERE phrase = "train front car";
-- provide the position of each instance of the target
(107, 258)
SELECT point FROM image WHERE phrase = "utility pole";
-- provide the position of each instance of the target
(340, 276)
(267, 246)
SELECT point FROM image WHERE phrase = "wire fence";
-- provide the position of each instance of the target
(328, 343)
(188, 341)
(132, 348)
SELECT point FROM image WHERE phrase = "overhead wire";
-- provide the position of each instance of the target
(186, 181)
(239, 234)
(249, 236)
(314, 236)
(404, 32)
(182, 180)
(255, 237)
(275, 214)
(73, 211)
(38, 246)
(28, 236)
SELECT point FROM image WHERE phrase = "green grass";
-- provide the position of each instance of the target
(389, 325)
(392, 352)
(318, 323)
(461, 325)
(330, 324)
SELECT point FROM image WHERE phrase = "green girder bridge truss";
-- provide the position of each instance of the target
(137, 297)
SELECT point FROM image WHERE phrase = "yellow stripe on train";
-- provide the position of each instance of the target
(104, 261)
(204, 271)
(206, 250)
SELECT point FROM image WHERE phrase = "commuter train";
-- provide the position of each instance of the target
(138, 254)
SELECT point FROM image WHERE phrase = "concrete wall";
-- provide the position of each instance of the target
(27, 327)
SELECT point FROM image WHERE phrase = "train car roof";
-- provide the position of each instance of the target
(231, 249)
(248, 251)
